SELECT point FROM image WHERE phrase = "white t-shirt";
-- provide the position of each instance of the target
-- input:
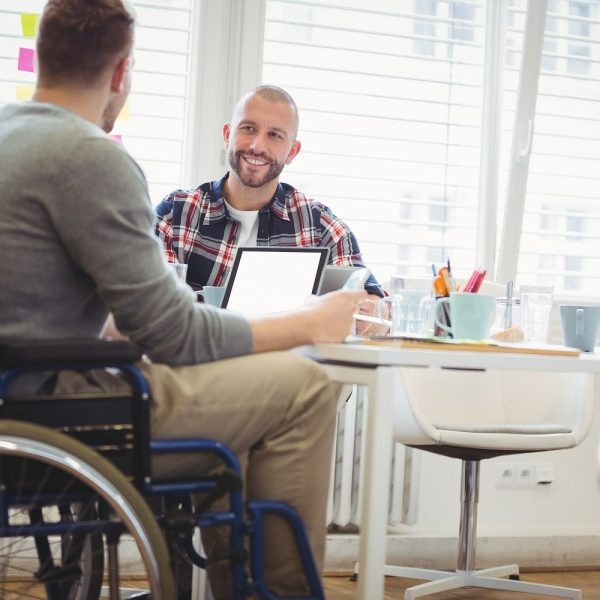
(249, 222)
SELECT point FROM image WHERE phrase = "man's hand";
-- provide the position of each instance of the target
(373, 307)
(335, 314)
(322, 319)
(110, 330)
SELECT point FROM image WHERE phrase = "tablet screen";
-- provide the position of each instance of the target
(266, 280)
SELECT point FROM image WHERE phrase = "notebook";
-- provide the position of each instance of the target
(267, 279)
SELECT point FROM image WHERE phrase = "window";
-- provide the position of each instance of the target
(389, 122)
(152, 125)
(562, 202)
(390, 100)
(461, 13)
(424, 41)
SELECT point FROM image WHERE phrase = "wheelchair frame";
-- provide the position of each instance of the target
(79, 417)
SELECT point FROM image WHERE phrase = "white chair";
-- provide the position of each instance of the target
(476, 415)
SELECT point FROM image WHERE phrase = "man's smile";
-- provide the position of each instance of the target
(256, 162)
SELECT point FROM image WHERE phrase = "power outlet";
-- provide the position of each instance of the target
(523, 476)
(526, 476)
(507, 475)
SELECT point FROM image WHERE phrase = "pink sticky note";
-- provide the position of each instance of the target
(27, 60)
(117, 138)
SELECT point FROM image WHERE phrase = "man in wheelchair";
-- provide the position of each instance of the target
(77, 242)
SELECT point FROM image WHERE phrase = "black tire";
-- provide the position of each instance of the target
(40, 467)
(89, 550)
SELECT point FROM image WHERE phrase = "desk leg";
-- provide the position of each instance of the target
(375, 485)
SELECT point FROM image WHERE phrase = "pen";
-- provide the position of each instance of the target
(369, 319)
(478, 281)
(446, 277)
(451, 278)
(469, 285)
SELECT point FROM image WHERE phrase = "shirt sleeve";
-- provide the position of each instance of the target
(164, 226)
(105, 220)
(343, 246)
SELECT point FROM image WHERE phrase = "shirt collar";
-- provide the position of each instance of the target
(216, 210)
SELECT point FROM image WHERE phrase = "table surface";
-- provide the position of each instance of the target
(358, 354)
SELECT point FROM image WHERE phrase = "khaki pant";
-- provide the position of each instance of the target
(276, 411)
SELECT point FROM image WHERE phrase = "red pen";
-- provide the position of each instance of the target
(469, 285)
(479, 281)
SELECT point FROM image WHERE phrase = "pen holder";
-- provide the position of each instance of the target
(472, 314)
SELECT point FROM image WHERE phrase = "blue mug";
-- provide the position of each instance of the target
(212, 294)
(580, 326)
(471, 315)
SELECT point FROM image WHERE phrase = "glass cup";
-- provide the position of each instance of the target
(536, 304)
(508, 313)
(410, 305)
(180, 270)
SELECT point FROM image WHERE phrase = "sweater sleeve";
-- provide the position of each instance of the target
(106, 222)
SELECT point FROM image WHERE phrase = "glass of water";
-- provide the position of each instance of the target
(536, 304)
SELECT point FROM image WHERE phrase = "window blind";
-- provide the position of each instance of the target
(152, 123)
(390, 116)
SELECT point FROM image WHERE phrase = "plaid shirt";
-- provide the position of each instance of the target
(196, 228)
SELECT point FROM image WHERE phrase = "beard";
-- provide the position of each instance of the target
(251, 179)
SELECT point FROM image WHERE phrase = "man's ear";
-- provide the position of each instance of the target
(293, 152)
(118, 78)
(226, 133)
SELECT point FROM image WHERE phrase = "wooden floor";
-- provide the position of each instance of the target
(341, 588)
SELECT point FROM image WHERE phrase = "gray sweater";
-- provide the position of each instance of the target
(76, 241)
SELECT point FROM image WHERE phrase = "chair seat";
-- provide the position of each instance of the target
(529, 429)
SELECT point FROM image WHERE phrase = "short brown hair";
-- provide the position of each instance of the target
(79, 39)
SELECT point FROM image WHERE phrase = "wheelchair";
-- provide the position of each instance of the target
(81, 516)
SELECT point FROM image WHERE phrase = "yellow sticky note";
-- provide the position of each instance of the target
(29, 24)
(24, 91)
(125, 112)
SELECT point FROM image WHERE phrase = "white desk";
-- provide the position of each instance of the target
(374, 367)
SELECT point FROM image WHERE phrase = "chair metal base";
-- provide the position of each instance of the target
(441, 581)
(466, 575)
(129, 594)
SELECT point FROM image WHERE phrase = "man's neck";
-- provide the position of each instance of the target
(243, 197)
(84, 103)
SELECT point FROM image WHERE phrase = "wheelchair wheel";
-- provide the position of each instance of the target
(60, 504)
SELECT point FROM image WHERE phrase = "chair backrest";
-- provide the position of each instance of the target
(486, 403)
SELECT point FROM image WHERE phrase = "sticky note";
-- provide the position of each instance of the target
(125, 112)
(27, 60)
(24, 91)
(117, 138)
(29, 24)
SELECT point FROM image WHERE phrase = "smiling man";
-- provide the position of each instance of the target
(249, 206)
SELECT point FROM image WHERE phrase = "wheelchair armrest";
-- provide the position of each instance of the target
(58, 352)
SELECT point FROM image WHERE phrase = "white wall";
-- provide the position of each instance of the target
(545, 526)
